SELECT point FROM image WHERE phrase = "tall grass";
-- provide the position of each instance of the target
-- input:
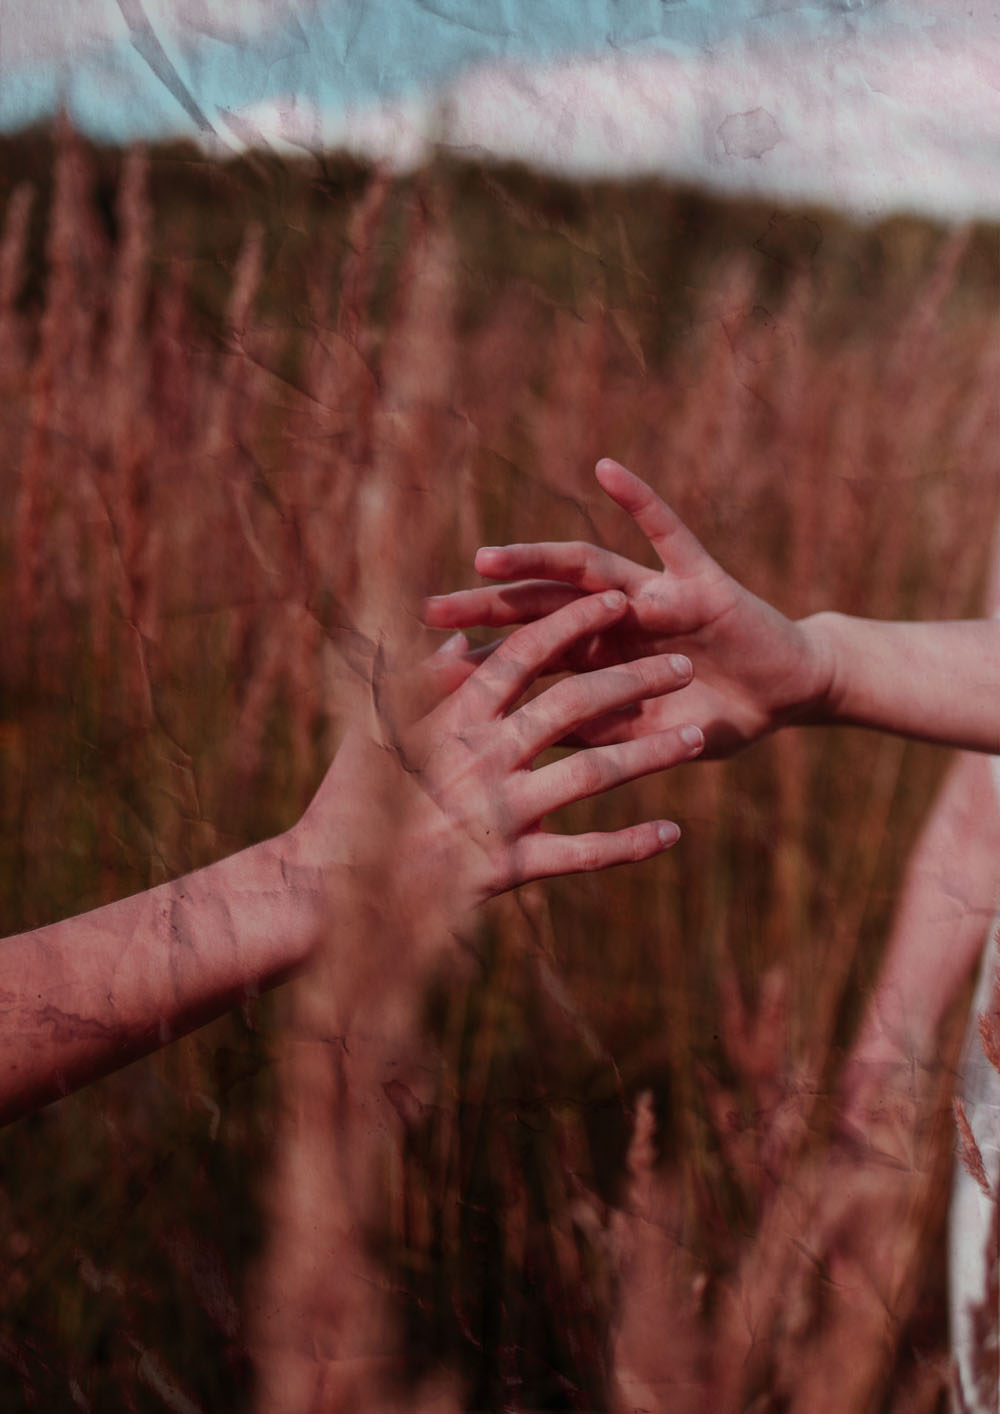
(611, 1126)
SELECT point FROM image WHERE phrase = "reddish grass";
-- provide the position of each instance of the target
(222, 526)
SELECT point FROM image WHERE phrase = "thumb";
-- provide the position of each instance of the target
(679, 550)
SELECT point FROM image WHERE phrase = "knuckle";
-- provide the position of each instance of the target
(568, 699)
(521, 643)
(589, 774)
(510, 662)
(652, 752)
(638, 843)
(648, 674)
(589, 856)
(578, 614)
(585, 616)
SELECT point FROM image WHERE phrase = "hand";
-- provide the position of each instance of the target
(448, 808)
(754, 669)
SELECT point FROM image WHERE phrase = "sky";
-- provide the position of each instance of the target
(870, 105)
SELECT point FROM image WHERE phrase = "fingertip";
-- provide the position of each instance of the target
(693, 738)
(622, 485)
(607, 469)
(485, 556)
(614, 599)
(453, 646)
(682, 666)
(432, 608)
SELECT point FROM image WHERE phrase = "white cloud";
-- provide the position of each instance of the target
(905, 118)
(60, 30)
(891, 106)
(397, 134)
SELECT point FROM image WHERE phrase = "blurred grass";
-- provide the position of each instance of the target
(241, 407)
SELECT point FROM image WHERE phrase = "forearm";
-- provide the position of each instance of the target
(82, 997)
(344, 890)
(937, 682)
(903, 1046)
(948, 900)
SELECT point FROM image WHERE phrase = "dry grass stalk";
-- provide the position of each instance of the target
(17, 218)
(659, 1346)
(307, 515)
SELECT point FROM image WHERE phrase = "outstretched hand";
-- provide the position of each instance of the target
(754, 669)
(448, 806)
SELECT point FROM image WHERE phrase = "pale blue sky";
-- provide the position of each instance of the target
(141, 68)
(893, 97)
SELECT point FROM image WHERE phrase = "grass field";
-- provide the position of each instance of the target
(246, 414)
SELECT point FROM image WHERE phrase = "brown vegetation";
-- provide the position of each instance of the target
(216, 512)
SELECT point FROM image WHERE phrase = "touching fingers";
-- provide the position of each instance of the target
(678, 549)
(522, 656)
(573, 562)
(437, 676)
(601, 768)
(576, 700)
(541, 855)
(498, 606)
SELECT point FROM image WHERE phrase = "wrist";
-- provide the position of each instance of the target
(823, 701)
(299, 890)
(383, 859)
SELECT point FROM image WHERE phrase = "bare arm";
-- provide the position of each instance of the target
(438, 817)
(89, 994)
(933, 681)
(947, 902)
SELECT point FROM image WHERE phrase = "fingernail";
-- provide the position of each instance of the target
(613, 599)
(457, 643)
(487, 549)
(667, 832)
(693, 737)
(681, 665)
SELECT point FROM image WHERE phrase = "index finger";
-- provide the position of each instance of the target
(523, 655)
(499, 606)
(679, 550)
(574, 562)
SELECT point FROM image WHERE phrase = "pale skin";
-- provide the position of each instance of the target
(755, 671)
(83, 996)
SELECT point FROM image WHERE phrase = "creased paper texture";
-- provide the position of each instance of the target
(367, 1041)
